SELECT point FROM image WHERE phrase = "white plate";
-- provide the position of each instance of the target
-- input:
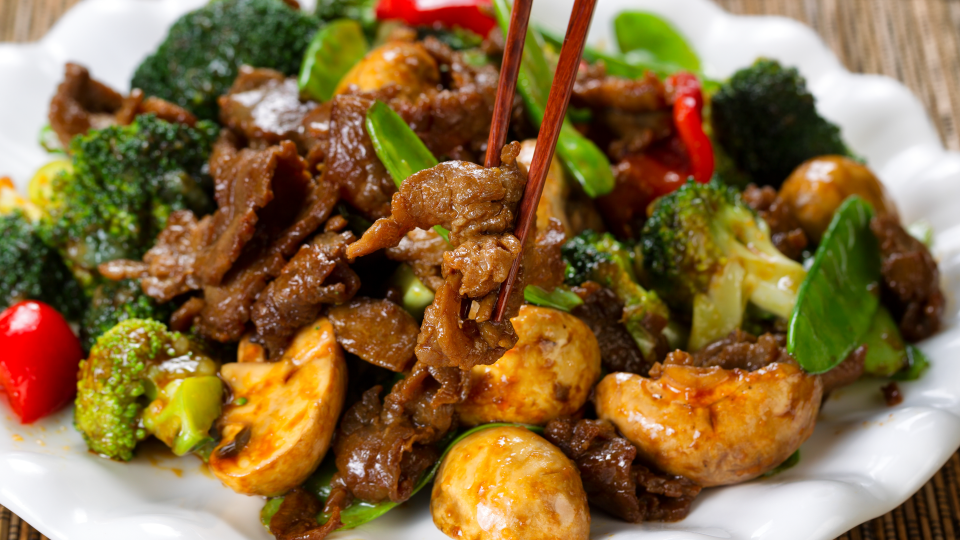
(863, 460)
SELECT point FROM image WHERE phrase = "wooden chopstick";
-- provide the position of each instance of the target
(570, 55)
(507, 86)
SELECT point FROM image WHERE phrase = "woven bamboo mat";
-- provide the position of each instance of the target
(915, 41)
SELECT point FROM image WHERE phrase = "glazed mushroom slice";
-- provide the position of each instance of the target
(507, 483)
(712, 425)
(279, 425)
(546, 375)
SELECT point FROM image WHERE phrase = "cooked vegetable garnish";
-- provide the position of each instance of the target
(581, 157)
(917, 364)
(837, 301)
(558, 298)
(766, 121)
(414, 294)
(126, 181)
(398, 147)
(335, 49)
(34, 271)
(645, 33)
(140, 359)
(600, 257)
(361, 11)
(38, 366)
(204, 50)
(469, 14)
(116, 301)
(709, 254)
(886, 350)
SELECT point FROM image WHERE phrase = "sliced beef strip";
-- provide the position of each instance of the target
(787, 235)
(911, 280)
(423, 250)
(317, 275)
(378, 331)
(82, 103)
(602, 311)
(846, 372)
(265, 107)
(612, 478)
(466, 199)
(484, 263)
(738, 350)
(597, 90)
(351, 162)
(382, 449)
(251, 185)
(296, 519)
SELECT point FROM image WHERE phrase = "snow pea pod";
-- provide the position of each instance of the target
(837, 300)
(398, 147)
(644, 32)
(558, 298)
(332, 52)
(886, 350)
(582, 159)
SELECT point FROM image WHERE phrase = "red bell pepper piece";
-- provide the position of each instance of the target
(39, 359)
(474, 15)
(688, 118)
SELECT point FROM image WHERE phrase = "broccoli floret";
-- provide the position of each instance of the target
(591, 256)
(126, 181)
(34, 271)
(708, 254)
(142, 380)
(116, 301)
(361, 11)
(204, 50)
(765, 120)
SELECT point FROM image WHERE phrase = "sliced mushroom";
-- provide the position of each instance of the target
(279, 425)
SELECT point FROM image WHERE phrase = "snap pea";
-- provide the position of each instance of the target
(582, 159)
(837, 300)
(332, 52)
(398, 147)
(886, 350)
(641, 31)
(558, 298)
(917, 363)
(359, 513)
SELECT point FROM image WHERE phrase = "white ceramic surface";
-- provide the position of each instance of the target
(863, 460)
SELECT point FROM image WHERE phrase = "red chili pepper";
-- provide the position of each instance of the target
(688, 117)
(39, 359)
(474, 15)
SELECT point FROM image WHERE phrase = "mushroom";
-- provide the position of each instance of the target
(819, 186)
(547, 374)
(508, 483)
(278, 427)
(712, 425)
(406, 65)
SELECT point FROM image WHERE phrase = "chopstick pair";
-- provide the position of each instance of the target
(570, 55)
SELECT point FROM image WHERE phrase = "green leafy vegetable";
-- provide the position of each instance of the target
(360, 512)
(886, 350)
(917, 363)
(398, 147)
(50, 141)
(643, 32)
(629, 66)
(582, 159)
(836, 302)
(558, 298)
(203, 51)
(334, 50)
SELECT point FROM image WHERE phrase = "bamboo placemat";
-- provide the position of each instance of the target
(915, 41)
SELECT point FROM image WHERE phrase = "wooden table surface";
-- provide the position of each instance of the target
(915, 41)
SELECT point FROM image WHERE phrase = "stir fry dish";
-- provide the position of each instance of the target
(281, 252)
